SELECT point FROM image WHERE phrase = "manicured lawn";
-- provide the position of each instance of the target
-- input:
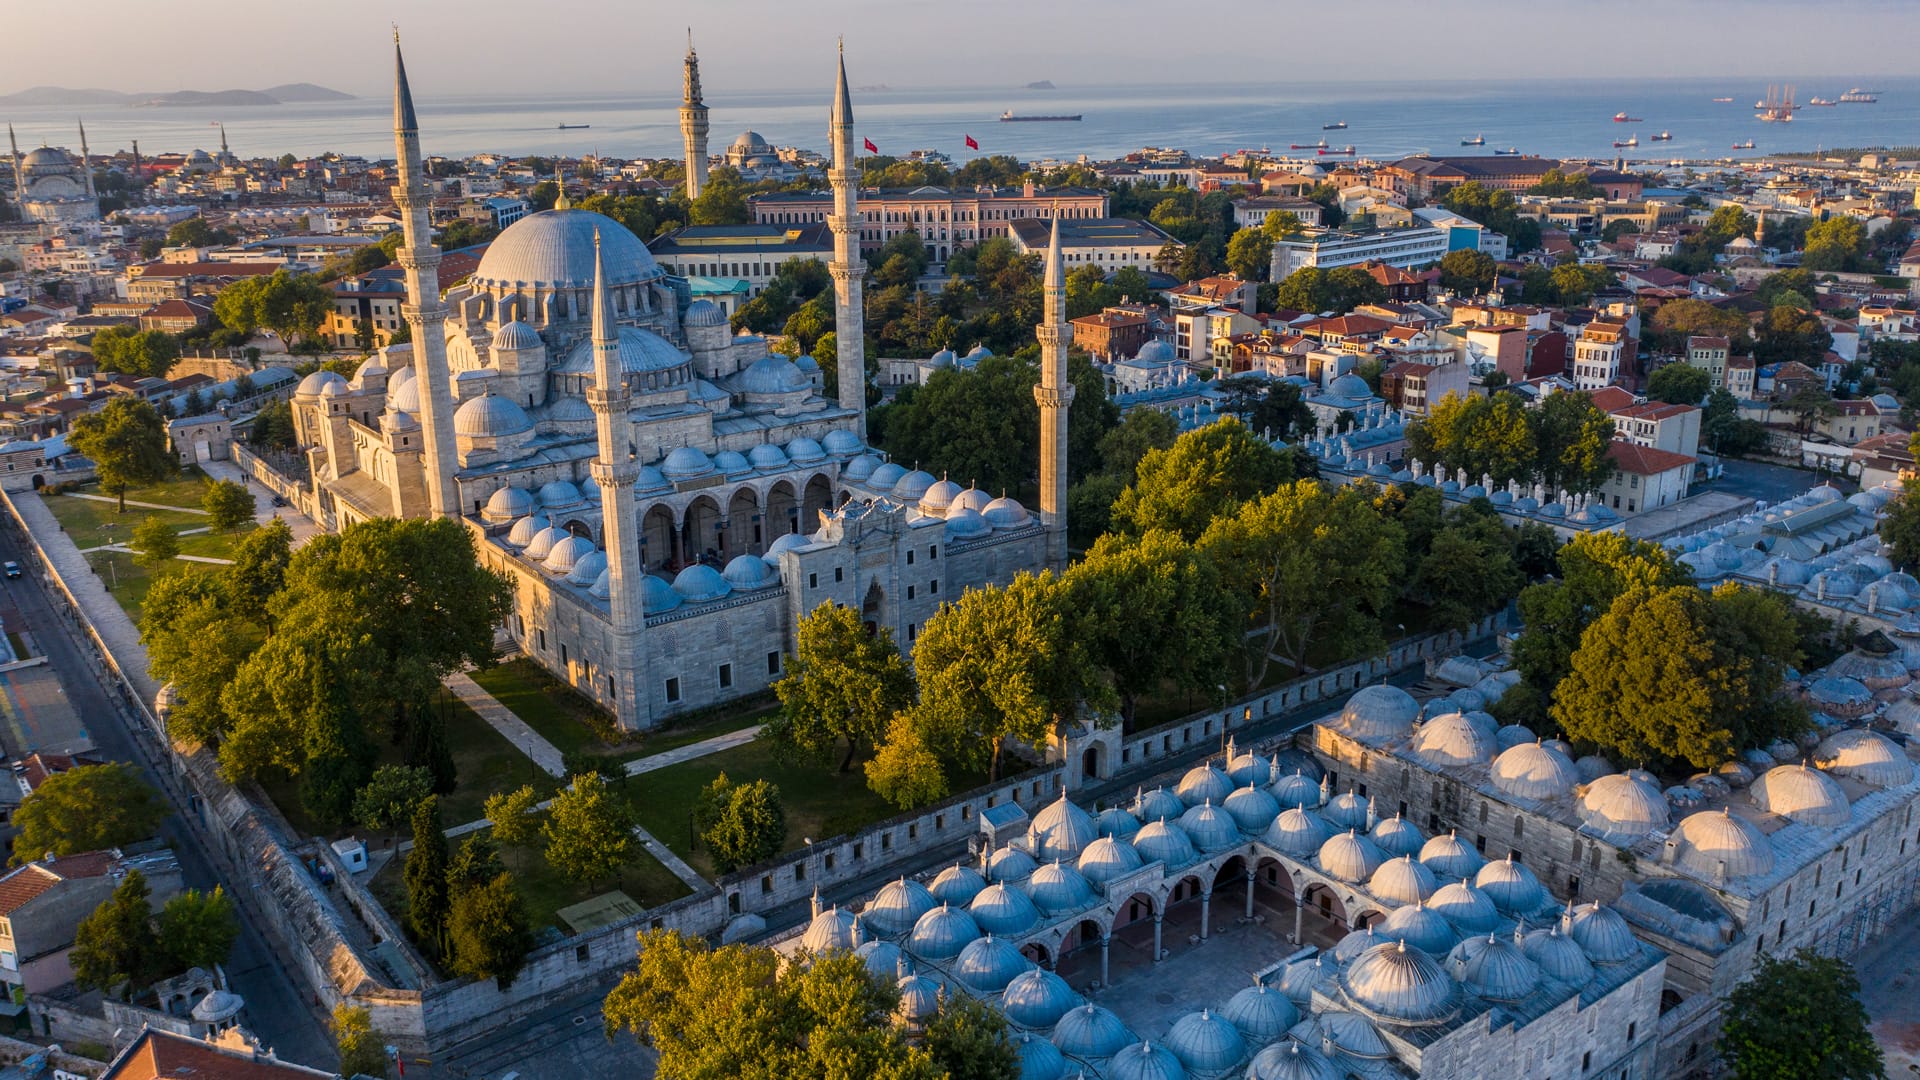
(128, 581)
(567, 720)
(92, 524)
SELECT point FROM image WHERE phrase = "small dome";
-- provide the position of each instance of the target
(559, 495)
(1248, 768)
(217, 1006)
(1296, 789)
(1349, 948)
(542, 543)
(939, 495)
(988, 964)
(768, 457)
(731, 463)
(1108, 858)
(834, 928)
(805, 451)
(1601, 933)
(973, 499)
(748, 572)
(1260, 1013)
(1010, 864)
(1711, 843)
(1801, 794)
(517, 335)
(1289, 1060)
(1037, 998)
(783, 542)
(897, 907)
(1512, 887)
(1154, 351)
(883, 959)
(1145, 1061)
(913, 485)
(772, 374)
(686, 462)
(651, 479)
(966, 524)
(1451, 740)
(1156, 804)
(957, 884)
(1347, 811)
(839, 442)
(1622, 808)
(403, 392)
(1117, 823)
(1449, 855)
(885, 476)
(1558, 956)
(1866, 756)
(1531, 771)
(1420, 927)
(1001, 909)
(919, 999)
(1004, 513)
(942, 933)
(1298, 832)
(1057, 888)
(1349, 386)
(657, 596)
(1061, 829)
(1160, 842)
(565, 552)
(859, 469)
(1350, 856)
(1379, 712)
(1512, 735)
(1091, 1032)
(317, 383)
(1398, 836)
(1494, 968)
(1038, 1058)
(1465, 906)
(602, 587)
(1203, 784)
(1208, 1043)
(1396, 983)
(509, 503)
(703, 313)
(1592, 767)
(700, 583)
(1210, 828)
(1252, 809)
(1402, 881)
(587, 568)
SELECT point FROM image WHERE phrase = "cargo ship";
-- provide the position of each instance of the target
(1748, 145)
(1477, 140)
(1859, 96)
(1008, 118)
(1511, 151)
(1337, 125)
(1331, 152)
(1321, 145)
(574, 127)
(1663, 137)
(1631, 140)
(1623, 118)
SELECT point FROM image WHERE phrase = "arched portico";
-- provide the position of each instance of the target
(783, 510)
(659, 535)
(816, 500)
(700, 533)
(744, 533)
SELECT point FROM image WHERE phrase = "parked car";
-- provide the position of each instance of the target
(12, 568)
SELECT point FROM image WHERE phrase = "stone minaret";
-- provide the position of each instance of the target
(693, 124)
(19, 174)
(86, 160)
(1055, 397)
(615, 470)
(425, 312)
(226, 156)
(849, 273)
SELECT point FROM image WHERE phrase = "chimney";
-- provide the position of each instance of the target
(1026, 189)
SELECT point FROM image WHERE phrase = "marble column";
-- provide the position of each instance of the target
(1206, 912)
(1249, 894)
(1157, 918)
(1106, 944)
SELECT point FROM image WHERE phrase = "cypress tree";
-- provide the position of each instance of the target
(427, 900)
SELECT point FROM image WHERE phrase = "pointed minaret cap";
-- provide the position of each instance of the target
(1056, 267)
(842, 98)
(403, 117)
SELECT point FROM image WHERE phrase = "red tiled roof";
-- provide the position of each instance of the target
(36, 769)
(1645, 460)
(160, 1055)
(1703, 341)
(1653, 410)
(1349, 326)
(1610, 399)
(23, 884)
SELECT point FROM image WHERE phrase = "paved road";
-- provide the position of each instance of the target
(276, 1009)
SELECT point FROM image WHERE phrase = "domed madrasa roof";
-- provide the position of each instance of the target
(1711, 844)
(1117, 823)
(1145, 1061)
(1206, 1042)
(1532, 771)
(732, 463)
(942, 933)
(510, 503)
(1620, 806)
(1466, 907)
(783, 542)
(1252, 809)
(1157, 803)
(913, 485)
(1289, 1059)
(1350, 856)
(939, 495)
(1057, 888)
(919, 999)
(1037, 998)
(542, 543)
(1512, 887)
(559, 494)
(1203, 783)
(1601, 933)
(1347, 810)
(1402, 881)
(1062, 830)
(1091, 1032)
(839, 442)
(988, 964)
(883, 959)
(313, 384)
(1298, 832)
(555, 248)
(1154, 351)
(587, 568)
(1398, 836)
(1038, 1059)
(1350, 386)
(656, 595)
(972, 499)
(517, 335)
(957, 884)
(749, 572)
(1421, 927)
(700, 583)
(1296, 789)
(1494, 968)
(1210, 828)
(771, 374)
(1009, 863)
(885, 475)
(1260, 1012)
(1108, 858)
(1866, 756)
(1159, 841)
(1451, 740)
(966, 524)
(1005, 513)
(703, 313)
(525, 529)
(490, 416)
(1379, 712)
(805, 451)
(1448, 854)
(1002, 909)
(1801, 794)
(834, 928)
(897, 907)
(640, 351)
(1399, 984)
(1558, 956)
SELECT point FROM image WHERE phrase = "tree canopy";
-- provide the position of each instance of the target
(132, 351)
(589, 830)
(291, 305)
(115, 948)
(1595, 569)
(86, 808)
(842, 686)
(747, 824)
(1679, 384)
(228, 505)
(1204, 475)
(1339, 290)
(127, 443)
(1468, 272)
(1799, 1017)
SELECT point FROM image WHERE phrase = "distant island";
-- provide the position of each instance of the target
(288, 93)
(1041, 85)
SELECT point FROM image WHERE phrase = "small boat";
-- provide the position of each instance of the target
(1631, 140)
(1477, 140)
(1821, 102)
(1748, 145)
(574, 127)
(1328, 152)
(1008, 118)
(1723, 101)
(1623, 118)
(1511, 151)
(1337, 125)
(1663, 137)
(1321, 145)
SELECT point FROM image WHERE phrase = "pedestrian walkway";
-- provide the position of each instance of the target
(263, 509)
(109, 619)
(502, 719)
(132, 502)
(647, 840)
(692, 751)
(125, 550)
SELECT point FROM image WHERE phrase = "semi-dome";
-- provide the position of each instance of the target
(942, 933)
(1039, 1059)
(1494, 968)
(839, 442)
(1448, 854)
(988, 964)
(939, 495)
(957, 884)
(1061, 829)
(1512, 887)
(1155, 804)
(883, 959)
(1402, 881)
(1005, 513)
(749, 572)
(1210, 828)
(542, 543)
(771, 374)
(1398, 984)
(1295, 789)
(1713, 843)
(1532, 771)
(1802, 794)
(1208, 1043)
(700, 583)
(1451, 740)
(1347, 811)
(1037, 998)
(685, 463)
(1117, 823)
(1252, 809)
(509, 503)
(657, 596)
(1601, 933)
(1108, 858)
(1558, 956)
(898, 906)
(567, 551)
(556, 248)
(834, 928)
(1158, 841)
(1091, 1032)
(1057, 888)
(1398, 836)
(1622, 807)
(1002, 909)
(1009, 863)
(703, 313)
(1350, 856)
(1866, 756)
(1145, 1061)
(1421, 927)
(587, 568)
(1260, 1013)
(1203, 784)
(1379, 712)
(640, 351)
(805, 451)
(1288, 1059)
(1465, 906)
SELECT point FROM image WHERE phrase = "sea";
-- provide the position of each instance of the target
(1384, 120)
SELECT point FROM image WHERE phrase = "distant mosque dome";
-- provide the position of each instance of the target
(555, 248)
(1154, 352)
(1350, 386)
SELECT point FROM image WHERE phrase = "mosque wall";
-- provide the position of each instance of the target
(1614, 1037)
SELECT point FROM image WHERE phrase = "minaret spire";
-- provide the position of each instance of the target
(86, 159)
(1054, 395)
(425, 311)
(693, 123)
(226, 156)
(19, 173)
(560, 200)
(849, 272)
(616, 471)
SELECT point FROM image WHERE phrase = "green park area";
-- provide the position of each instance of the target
(97, 526)
(575, 725)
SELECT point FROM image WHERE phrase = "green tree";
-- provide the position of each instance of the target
(132, 351)
(426, 873)
(1205, 474)
(1899, 526)
(1338, 290)
(1798, 280)
(1563, 185)
(476, 863)
(289, 304)
(360, 1048)
(1618, 228)
(389, 799)
(87, 808)
(1575, 283)
(1679, 384)
(1595, 569)
(723, 201)
(195, 232)
(1250, 254)
(489, 931)
(195, 643)
(1572, 436)
(904, 769)
(589, 830)
(155, 543)
(1497, 210)
(228, 505)
(749, 829)
(127, 443)
(259, 571)
(1791, 333)
(115, 948)
(1836, 244)
(969, 1039)
(1313, 567)
(842, 685)
(1467, 570)
(273, 427)
(1730, 222)
(1677, 320)
(514, 815)
(1138, 432)
(197, 930)
(1799, 1017)
(1468, 272)
(1282, 225)
(1477, 436)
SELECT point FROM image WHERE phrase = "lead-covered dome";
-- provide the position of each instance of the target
(1145, 1061)
(883, 959)
(1710, 843)
(1157, 841)
(1494, 968)
(1558, 956)
(834, 928)
(1117, 823)
(942, 933)
(1398, 836)
(700, 583)
(1108, 858)
(1801, 794)
(704, 313)
(1296, 789)
(1602, 934)
(640, 351)
(1001, 909)
(1252, 809)
(1530, 770)
(1399, 985)
(988, 964)
(1261, 1012)
(656, 595)
(1009, 863)
(898, 906)
(1866, 756)
(1061, 830)
(1207, 1043)
(1448, 854)
(1379, 712)
(1512, 887)
(1039, 1059)
(771, 374)
(1091, 1032)
(749, 572)
(1202, 784)
(1057, 888)
(1037, 998)
(1465, 906)
(1290, 1060)
(1451, 740)
(1155, 804)
(1621, 807)
(517, 335)
(509, 503)
(957, 884)
(1402, 881)
(555, 248)
(1210, 828)
(1350, 856)
(1421, 927)
(567, 551)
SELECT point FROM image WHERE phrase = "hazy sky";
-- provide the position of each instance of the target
(466, 46)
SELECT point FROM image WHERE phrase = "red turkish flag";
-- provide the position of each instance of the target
(971, 145)
(871, 149)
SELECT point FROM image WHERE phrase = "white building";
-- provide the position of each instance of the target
(1330, 249)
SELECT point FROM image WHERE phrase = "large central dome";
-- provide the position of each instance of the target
(554, 248)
